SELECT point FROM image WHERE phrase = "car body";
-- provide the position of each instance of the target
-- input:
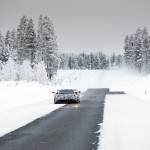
(67, 95)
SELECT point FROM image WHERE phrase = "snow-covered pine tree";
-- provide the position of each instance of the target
(9, 70)
(13, 46)
(70, 64)
(138, 50)
(30, 42)
(72, 61)
(119, 60)
(21, 31)
(103, 64)
(107, 65)
(145, 51)
(148, 56)
(88, 62)
(1, 72)
(63, 61)
(81, 61)
(92, 60)
(26, 72)
(49, 44)
(84, 55)
(126, 51)
(3, 50)
(40, 72)
(39, 51)
(113, 60)
(131, 54)
(8, 38)
(129, 51)
(10, 43)
(96, 62)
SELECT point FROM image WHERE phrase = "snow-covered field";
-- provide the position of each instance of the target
(126, 124)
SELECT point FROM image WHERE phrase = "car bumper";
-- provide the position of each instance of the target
(66, 100)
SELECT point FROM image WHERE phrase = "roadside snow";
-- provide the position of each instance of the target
(13, 94)
(23, 102)
(126, 124)
(17, 117)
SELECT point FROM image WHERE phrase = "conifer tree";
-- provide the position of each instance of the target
(113, 59)
(119, 60)
(39, 52)
(3, 51)
(8, 38)
(13, 45)
(49, 44)
(103, 64)
(21, 32)
(30, 42)
(145, 51)
(126, 50)
(81, 63)
(63, 61)
(10, 70)
(138, 50)
(40, 73)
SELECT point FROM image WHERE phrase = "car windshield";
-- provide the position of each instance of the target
(65, 92)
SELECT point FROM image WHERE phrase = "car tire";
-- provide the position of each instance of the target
(55, 102)
(78, 101)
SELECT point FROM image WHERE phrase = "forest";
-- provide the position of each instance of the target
(137, 51)
(32, 54)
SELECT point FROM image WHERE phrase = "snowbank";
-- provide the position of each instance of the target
(16, 94)
(23, 102)
(126, 124)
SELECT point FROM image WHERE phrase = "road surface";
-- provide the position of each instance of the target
(71, 127)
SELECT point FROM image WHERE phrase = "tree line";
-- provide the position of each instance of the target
(30, 46)
(137, 51)
(32, 54)
(92, 61)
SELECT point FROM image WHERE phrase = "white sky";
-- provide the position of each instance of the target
(82, 25)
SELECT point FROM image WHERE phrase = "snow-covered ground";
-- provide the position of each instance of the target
(22, 102)
(126, 125)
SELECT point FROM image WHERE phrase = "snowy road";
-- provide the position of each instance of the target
(71, 127)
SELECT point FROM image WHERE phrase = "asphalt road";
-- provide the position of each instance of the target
(71, 127)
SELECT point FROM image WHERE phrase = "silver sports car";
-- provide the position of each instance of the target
(66, 95)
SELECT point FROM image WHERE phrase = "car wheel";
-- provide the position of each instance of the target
(78, 101)
(55, 102)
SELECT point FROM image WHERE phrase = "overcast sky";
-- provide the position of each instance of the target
(82, 25)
